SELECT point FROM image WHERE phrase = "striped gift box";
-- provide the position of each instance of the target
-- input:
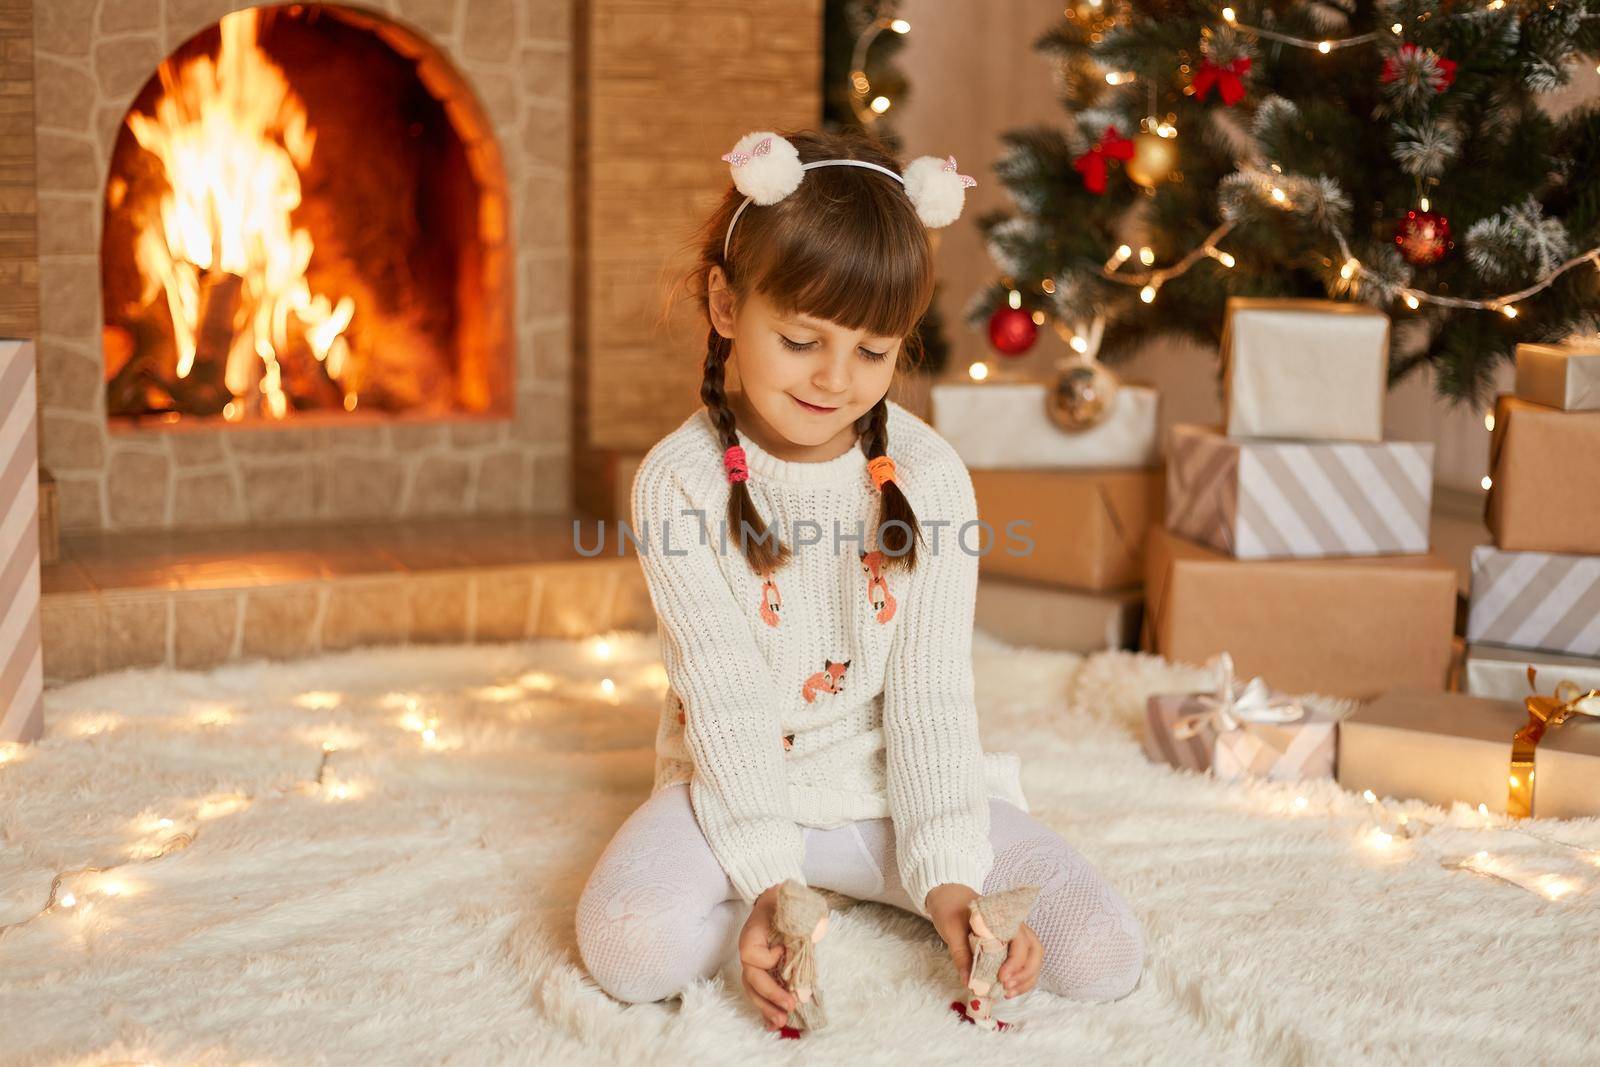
(1280, 499)
(1539, 600)
(21, 660)
(1282, 752)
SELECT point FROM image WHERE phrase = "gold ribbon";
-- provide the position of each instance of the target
(1544, 713)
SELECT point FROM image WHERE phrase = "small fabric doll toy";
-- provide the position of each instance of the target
(993, 920)
(799, 921)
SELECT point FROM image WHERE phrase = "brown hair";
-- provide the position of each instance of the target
(846, 246)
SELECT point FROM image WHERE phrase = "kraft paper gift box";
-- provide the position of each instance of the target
(1003, 425)
(1544, 470)
(1086, 528)
(1502, 673)
(1340, 627)
(21, 654)
(1273, 499)
(1445, 747)
(1561, 376)
(1538, 600)
(1304, 369)
(1240, 729)
(1031, 615)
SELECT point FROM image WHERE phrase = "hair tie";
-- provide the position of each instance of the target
(734, 460)
(882, 470)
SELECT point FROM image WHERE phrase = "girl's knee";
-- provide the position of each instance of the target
(648, 943)
(1093, 945)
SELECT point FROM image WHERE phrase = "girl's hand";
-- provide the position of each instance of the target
(760, 961)
(947, 907)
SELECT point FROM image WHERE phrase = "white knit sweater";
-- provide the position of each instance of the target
(840, 690)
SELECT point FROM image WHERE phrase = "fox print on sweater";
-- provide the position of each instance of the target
(838, 687)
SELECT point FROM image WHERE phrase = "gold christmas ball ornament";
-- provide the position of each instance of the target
(1154, 159)
(1082, 395)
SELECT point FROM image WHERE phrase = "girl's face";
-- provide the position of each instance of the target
(809, 380)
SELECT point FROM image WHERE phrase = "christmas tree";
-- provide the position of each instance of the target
(1390, 152)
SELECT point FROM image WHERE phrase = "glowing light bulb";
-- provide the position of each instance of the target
(67, 900)
(1488, 421)
(1381, 838)
(1146, 255)
(900, 26)
(1278, 195)
(1228, 14)
(1117, 77)
(607, 686)
(880, 104)
(1349, 269)
(1483, 809)
(1301, 803)
(1079, 343)
(1325, 47)
(1226, 259)
(1397, 28)
(1015, 299)
(1371, 797)
(1487, 484)
(1148, 294)
(978, 371)
(1508, 311)
(1412, 302)
(1038, 318)
(1424, 203)
(1119, 257)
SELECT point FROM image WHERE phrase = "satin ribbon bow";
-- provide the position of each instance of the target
(1092, 164)
(966, 181)
(739, 159)
(1232, 706)
(1229, 80)
(1544, 713)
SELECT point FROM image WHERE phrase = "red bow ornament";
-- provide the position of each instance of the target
(1229, 80)
(1092, 164)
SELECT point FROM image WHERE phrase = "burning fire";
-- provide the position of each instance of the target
(232, 138)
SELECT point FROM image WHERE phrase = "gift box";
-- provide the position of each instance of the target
(1538, 600)
(1345, 627)
(1078, 529)
(1304, 369)
(21, 662)
(1027, 614)
(1561, 376)
(1267, 499)
(1240, 729)
(1003, 425)
(1544, 493)
(1502, 673)
(1445, 747)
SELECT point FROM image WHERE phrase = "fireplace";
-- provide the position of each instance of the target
(303, 262)
(298, 225)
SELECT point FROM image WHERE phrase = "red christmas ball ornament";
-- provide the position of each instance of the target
(1423, 237)
(1012, 331)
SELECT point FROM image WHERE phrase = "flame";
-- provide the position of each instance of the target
(232, 138)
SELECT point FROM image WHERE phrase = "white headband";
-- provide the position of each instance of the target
(766, 168)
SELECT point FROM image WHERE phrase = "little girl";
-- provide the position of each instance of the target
(815, 602)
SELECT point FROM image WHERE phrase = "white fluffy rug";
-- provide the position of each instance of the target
(417, 907)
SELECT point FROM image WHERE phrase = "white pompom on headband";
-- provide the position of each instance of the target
(766, 168)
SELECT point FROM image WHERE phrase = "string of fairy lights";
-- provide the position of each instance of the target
(1352, 272)
(78, 890)
(1383, 826)
(866, 104)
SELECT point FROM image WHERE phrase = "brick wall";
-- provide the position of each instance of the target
(19, 243)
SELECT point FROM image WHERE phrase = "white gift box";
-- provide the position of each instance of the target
(1560, 376)
(1305, 368)
(21, 662)
(1502, 673)
(1004, 425)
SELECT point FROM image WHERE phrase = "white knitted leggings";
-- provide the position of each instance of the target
(658, 912)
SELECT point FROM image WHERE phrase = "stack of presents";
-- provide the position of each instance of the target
(1068, 512)
(1294, 559)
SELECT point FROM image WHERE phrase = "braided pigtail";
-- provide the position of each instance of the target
(762, 550)
(899, 543)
